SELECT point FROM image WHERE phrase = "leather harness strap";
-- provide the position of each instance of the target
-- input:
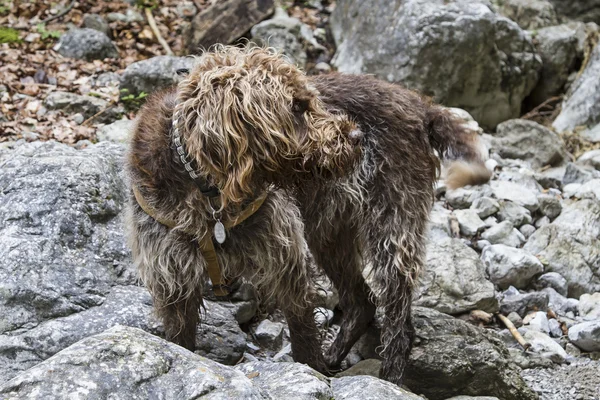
(207, 247)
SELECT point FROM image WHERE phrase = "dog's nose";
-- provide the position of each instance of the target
(355, 136)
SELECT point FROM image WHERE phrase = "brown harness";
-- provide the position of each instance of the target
(207, 247)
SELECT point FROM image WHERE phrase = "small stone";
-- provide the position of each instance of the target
(96, 22)
(555, 328)
(269, 334)
(537, 321)
(575, 173)
(368, 367)
(87, 44)
(482, 244)
(78, 118)
(560, 304)
(464, 197)
(516, 193)
(549, 205)
(544, 345)
(512, 300)
(527, 230)
(572, 350)
(507, 266)
(589, 306)
(469, 222)
(118, 132)
(553, 280)
(485, 206)
(284, 355)
(514, 213)
(323, 316)
(542, 222)
(586, 335)
(591, 158)
(515, 319)
(504, 233)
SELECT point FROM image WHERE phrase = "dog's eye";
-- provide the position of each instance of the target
(300, 106)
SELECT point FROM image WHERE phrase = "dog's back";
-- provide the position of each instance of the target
(407, 127)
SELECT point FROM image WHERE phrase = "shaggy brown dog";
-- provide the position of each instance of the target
(253, 123)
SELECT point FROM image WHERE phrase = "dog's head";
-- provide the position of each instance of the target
(249, 118)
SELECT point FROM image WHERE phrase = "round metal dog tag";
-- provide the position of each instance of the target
(219, 232)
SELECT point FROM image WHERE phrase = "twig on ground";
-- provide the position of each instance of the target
(108, 107)
(514, 332)
(536, 111)
(156, 32)
(60, 14)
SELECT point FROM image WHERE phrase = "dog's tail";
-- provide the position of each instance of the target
(460, 149)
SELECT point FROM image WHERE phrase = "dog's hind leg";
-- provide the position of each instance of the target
(397, 251)
(180, 319)
(342, 264)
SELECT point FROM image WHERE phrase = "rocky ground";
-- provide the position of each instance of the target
(73, 318)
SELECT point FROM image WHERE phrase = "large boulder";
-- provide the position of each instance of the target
(153, 74)
(460, 52)
(584, 10)
(582, 106)
(451, 357)
(507, 266)
(87, 44)
(454, 280)
(530, 141)
(225, 21)
(557, 45)
(571, 246)
(529, 14)
(128, 363)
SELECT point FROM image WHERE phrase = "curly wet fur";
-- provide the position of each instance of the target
(253, 122)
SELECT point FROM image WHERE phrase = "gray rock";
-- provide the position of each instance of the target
(469, 222)
(537, 321)
(119, 131)
(559, 303)
(515, 319)
(283, 33)
(454, 280)
(462, 53)
(516, 214)
(512, 300)
(557, 45)
(60, 210)
(590, 158)
(225, 21)
(287, 380)
(269, 334)
(507, 266)
(504, 233)
(131, 15)
(368, 388)
(370, 367)
(86, 105)
(243, 311)
(96, 22)
(552, 280)
(592, 134)
(530, 141)
(476, 362)
(150, 75)
(323, 316)
(516, 193)
(473, 398)
(106, 79)
(219, 336)
(589, 306)
(584, 10)
(527, 230)
(586, 335)
(555, 329)
(24, 348)
(485, 206)
(588, 190)
(550, 205)
(128, 363)
(439, 222)
(582, 106)
(529, 14)
(542, 222)
(570, 246)
(464, 197)
(544, 345)
(86, 44)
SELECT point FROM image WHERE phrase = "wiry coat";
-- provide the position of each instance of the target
(253, 122)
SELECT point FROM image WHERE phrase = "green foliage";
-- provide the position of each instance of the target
(152, 4)
(131, 101)
(5, 6)
(41, 29)
(9, 35)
